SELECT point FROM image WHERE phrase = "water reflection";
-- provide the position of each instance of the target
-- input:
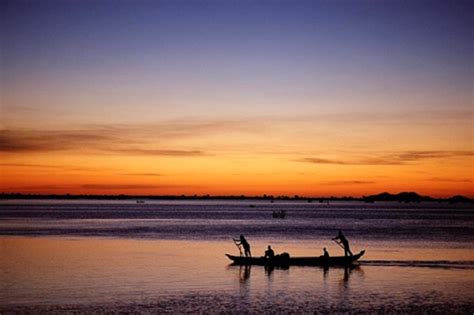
(244, 273)
(323, 288)
(163, 277)
(269, 270)
(347, 273)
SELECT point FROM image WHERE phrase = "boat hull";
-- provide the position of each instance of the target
(296, 261)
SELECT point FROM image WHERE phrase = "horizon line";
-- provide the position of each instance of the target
(18, 195)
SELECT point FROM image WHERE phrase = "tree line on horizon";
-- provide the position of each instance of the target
(406, 197)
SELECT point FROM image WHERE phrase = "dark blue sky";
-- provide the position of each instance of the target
(258, 51)
(426, 29)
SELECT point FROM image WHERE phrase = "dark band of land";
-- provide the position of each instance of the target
(405, 197)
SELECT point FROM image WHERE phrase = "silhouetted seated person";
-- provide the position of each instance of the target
(325, 257)
(269, 253)
(326, 254)
(242, 241)
(344, 242)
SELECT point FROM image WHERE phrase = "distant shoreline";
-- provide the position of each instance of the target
(406, 197)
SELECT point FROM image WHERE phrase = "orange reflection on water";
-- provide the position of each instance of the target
(100, 271)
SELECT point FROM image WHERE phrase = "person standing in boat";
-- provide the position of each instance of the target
(242, 241)
(344, 242)
(269, 253)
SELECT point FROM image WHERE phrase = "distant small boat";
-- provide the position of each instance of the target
(285, 260)
(140, 201)
(279, 214)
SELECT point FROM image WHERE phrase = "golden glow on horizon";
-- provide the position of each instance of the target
(307, 156)
(247, 174)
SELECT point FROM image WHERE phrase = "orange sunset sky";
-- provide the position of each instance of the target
(282, 98)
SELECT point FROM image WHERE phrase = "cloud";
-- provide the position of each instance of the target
(180, 129)
(143, 174)
(421, 155)
(49, 140)
(158, 152)
(131, 139)
(399, 158)
(54, 167)
(105, 187)
(30, 165)
(166, 138)
(450, 180)
(37, 187)
(130, 186)
(100, 140)
(323, 161)
(406, 157)
(349, 182)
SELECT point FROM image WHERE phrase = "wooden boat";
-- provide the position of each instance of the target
(285, 260)
(279, 214)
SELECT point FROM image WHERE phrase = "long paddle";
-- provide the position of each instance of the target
(339, 244)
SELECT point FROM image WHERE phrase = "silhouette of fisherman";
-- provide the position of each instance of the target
(269, 253)
(326, 254)
(242, 241)
(325, 258)
(344, 242)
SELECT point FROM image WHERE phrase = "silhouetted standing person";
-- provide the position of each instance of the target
(269, 253)
(344, 242)
(242, 241)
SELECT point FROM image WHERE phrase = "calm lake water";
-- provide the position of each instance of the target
(168, 257)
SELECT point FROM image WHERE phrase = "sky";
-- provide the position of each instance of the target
(314, 98)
